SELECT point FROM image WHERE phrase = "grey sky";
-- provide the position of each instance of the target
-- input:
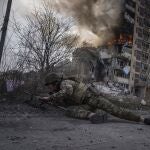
(103, 16)
(17, 11)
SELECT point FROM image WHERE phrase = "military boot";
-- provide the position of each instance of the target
(147, 121)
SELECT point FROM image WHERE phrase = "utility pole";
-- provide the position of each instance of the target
(4, 28)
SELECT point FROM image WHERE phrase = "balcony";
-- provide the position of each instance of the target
(117, 66)
(147, 27)
(126, 55)
(144, 3)
(121, 80)
(120, 64)
(131, 8)
(146, 39)
(145, 61)
(140, 83)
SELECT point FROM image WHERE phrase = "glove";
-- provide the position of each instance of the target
(147, 121)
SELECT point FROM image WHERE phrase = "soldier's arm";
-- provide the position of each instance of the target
(66, 89)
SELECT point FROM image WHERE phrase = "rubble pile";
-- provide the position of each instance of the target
(109, 88)
(120, 96)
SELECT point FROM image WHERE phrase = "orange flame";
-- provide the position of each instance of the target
(121, 39)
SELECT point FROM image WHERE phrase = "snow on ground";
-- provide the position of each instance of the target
(109, 88)
(115, 90)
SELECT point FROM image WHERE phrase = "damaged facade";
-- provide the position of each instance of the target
(126, 57)
(130, 51)
(85, 65)
(118, 62)
(141, 47)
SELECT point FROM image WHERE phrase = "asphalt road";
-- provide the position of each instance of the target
(26, 128)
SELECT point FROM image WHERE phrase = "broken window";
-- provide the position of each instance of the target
(146, 22)
(138, 42)
(138, 64)
(144, 12)
(144, 57)
(144, 2)
(141, 44)
(120, 73)
(140, 21)
(131, 3)
(147, 14)
(137, 68)
(146, 35)
(124, 85)
(138, 55)
(143, 77)
(141, 11)
(137, 76)
(144, 67)
(139, 32)
(145, 46)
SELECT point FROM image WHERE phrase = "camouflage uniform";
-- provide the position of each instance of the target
(82, 101)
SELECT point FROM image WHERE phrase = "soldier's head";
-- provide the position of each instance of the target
(52, 81)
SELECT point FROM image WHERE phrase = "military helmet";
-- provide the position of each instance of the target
(52, 77)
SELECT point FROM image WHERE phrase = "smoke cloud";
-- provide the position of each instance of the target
(96, 18)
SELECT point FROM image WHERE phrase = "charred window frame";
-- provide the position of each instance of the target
(141, 11)
(144, 2)
(138, 57)
(144, 67)
(145, 46)
(146, 23)
(138, 42)
(121, 74)
(139, 32)
(131, 3)
(146, 35)
(137, 76)
(143, 77)
(145, 57)
(140, 21)
(138, 66)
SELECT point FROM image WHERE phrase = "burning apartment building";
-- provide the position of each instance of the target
(130, 49)
(127, 54)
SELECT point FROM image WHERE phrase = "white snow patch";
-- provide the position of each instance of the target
(143, 102)
(108, 89)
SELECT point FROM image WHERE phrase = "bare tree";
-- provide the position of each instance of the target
(45, 40)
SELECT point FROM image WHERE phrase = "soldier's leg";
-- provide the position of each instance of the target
(106, 105)
(80, 112)
(126, 103)
(86, 112)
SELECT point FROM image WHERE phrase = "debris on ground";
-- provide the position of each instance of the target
(109, 88)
